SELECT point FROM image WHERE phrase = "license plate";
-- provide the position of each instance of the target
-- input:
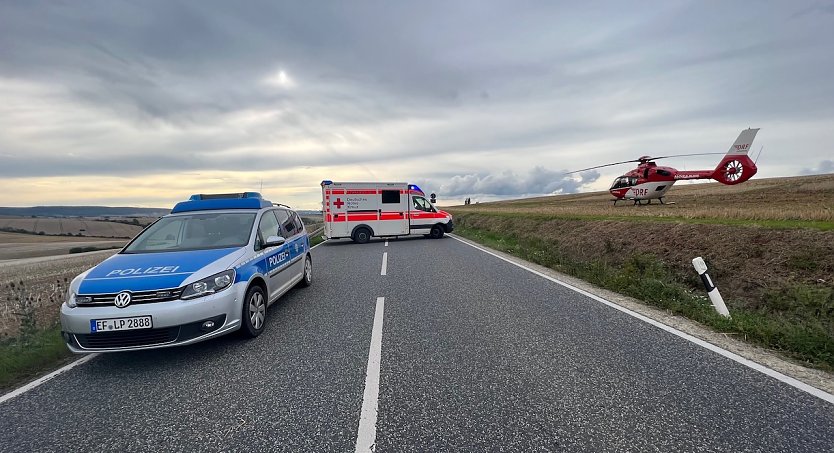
(114, 324)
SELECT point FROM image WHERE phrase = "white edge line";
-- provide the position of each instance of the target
(41, 380)
(384, 264)
(320, 243)
(704, 344)
(366, 434)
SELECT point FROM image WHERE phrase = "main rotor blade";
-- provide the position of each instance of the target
(684, 155)
(600, 166)
(641, 160)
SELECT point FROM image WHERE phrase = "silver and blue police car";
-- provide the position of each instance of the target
(210, 267)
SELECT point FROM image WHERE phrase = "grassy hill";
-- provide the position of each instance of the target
(769, 244)
(70, 226)
(83, 211)
(803, 201)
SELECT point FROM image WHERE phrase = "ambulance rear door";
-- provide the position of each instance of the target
(335, 212)
(393, 211)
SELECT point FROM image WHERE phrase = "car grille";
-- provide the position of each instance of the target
(133, 338)
(138, 297)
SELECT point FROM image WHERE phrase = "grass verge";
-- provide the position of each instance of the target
(26, 357)
(315, 240)
(802, 333)
(780, 224)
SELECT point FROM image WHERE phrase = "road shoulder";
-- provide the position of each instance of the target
(768, 358)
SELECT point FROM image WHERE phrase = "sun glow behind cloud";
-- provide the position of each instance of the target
(280, 79)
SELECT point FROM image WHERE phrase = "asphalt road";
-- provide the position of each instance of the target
(476, 355)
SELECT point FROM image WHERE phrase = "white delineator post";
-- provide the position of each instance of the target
(712, 291)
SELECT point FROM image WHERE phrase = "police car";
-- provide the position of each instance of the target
(212, 266)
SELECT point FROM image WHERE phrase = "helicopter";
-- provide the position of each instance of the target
(650, 182)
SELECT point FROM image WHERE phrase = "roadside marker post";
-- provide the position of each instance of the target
(712, 290)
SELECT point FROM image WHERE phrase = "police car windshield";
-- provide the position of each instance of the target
(195, 232)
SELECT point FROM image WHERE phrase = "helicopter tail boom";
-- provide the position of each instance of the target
(736, 166)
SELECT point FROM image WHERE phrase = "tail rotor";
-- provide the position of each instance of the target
(736, 166)
(733, 171)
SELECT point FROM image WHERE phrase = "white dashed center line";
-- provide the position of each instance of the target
(366, 436)
(384, 264)
(386, 242)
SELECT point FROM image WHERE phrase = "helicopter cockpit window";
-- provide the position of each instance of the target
(623, 181)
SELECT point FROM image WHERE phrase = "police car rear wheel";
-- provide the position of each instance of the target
(362, 235)
(436, 232)
(254, 312)
(307, 280)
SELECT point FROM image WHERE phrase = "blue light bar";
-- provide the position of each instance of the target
(215, 196)
(414, 187)
(205, 202)
(326, 182)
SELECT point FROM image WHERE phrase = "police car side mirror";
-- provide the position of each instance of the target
(272, 241)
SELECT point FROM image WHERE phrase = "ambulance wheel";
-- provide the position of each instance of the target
(436, 232)
(307, 280)
(362, 235)
(254, 312)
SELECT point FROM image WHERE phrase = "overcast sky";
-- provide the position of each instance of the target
(145, 102)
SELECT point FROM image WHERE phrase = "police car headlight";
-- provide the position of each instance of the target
(210, 285)
(71, 299)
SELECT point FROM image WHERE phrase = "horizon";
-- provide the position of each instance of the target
(679, 184)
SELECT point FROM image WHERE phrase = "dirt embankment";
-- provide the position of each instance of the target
(751, 265)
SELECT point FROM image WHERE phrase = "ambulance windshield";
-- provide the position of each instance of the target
(195, 232)
(421, 204)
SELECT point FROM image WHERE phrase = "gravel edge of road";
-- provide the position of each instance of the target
(768, 358)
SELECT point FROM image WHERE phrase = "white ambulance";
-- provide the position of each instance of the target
(361, 210)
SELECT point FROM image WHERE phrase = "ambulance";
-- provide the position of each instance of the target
(362, 210)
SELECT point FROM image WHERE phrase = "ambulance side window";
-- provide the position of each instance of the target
(268, 227)
(287, 225)
(391, 197)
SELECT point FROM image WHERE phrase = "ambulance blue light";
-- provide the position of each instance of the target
(414, 187)
(203, 202)
(326, 182)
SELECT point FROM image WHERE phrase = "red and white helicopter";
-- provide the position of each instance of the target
(649, 181)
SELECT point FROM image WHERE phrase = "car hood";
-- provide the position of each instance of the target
(152, 271)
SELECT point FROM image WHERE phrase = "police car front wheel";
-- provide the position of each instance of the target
(254, 312)
(307, 279)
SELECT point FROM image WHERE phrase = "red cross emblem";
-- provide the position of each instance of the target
(339, 203)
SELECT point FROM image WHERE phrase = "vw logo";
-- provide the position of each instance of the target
(122, 299)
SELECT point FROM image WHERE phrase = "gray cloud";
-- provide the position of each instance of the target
(402, 89)
(537, 182)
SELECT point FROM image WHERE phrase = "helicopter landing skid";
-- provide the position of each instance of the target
(639, 202)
